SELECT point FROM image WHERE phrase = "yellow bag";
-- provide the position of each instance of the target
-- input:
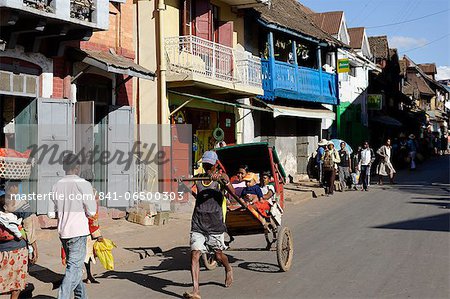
(104, 254)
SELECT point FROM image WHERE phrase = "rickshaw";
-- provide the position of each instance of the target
(243, 219)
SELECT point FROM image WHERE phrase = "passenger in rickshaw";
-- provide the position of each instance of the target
(254, 195)
(238, 180)
(208, 225)
(267, 188)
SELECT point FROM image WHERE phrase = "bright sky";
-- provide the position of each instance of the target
(424, 40)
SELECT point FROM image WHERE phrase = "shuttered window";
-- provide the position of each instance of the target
(19, 84)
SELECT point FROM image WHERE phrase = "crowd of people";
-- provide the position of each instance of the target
(354, 168)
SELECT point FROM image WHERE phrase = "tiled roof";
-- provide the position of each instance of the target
(356, 37)
(428, 68)
(379, 46)
(418, 82)
(290, 14)
(329, 22)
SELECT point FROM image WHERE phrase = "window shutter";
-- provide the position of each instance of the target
(226, 34)
(203, 26)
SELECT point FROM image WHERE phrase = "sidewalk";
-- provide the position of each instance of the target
(134, 242)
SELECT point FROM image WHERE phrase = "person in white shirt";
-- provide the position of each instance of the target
(366, 158)
(73, 201)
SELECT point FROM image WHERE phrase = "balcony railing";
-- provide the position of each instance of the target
(91, 13)
(281, 79)
(213, 60)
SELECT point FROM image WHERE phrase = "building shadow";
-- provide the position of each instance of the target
(438, 223)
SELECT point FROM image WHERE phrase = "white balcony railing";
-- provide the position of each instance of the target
(213, 60)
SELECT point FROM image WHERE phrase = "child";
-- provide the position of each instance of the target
(9, 221)
(253, 194)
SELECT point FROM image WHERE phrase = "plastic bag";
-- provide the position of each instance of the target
(103, 250)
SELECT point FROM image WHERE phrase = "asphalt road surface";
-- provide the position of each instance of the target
(390, 242)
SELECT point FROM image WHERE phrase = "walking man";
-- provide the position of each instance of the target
(73, 201)
(330, 162)
(208, 225)
(319, 161)
(344, 166)
(366, 158)
(385, 167)
(412, 151)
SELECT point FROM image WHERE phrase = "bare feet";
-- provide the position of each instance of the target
(228, 278)
(191, 295)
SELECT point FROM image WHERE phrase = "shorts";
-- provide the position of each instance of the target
(207, 243)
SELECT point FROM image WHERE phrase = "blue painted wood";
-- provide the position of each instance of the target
(297, 83)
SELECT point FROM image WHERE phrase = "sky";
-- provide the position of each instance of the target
(425, 40)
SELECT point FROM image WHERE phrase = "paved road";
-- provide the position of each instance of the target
(391, 242)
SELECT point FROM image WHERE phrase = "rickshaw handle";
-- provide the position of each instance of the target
(237, 198)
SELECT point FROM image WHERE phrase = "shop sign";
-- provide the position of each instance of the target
(374, 101)
(343, 65)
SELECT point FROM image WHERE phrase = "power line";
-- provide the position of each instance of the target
(408, 21)
(436, 40)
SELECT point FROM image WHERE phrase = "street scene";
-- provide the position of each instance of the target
(224, 149)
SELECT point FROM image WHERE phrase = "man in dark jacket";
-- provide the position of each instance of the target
(208, 225)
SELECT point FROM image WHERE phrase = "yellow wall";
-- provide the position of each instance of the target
(172, 21)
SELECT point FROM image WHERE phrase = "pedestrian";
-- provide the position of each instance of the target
(444, 143)
(385, 167)
(344, 166)
(330, 160)
(238, 180)
(412, 151)
(208, 222)
(365, 160)
(73, 201)
(319, 162)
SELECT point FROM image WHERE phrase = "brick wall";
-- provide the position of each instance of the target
(119, 37)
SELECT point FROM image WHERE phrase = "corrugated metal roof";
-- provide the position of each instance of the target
(379, 46)
(329, 22)
(113, 63)
(291, 15)
(356, 37)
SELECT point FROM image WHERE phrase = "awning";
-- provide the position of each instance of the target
(318, 113)
(220, 102)
(387, 120)
(112, 63)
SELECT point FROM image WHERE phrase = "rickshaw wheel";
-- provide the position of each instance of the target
(285, 249)
(209, 260)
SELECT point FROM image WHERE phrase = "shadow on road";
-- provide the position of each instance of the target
(440, 223)
(175, 259)
(442, 205)
(46, 275)
(260, 267)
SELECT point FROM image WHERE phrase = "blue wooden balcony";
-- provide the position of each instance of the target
(285, 80)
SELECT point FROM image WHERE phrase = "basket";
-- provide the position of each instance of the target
(15, 168)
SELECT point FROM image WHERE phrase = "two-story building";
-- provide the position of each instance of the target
(65, 72)
(351, 114)
(300, 84)
(204, 72)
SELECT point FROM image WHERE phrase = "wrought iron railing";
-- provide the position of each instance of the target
(212, 60)
(42, 5)
(82, 9)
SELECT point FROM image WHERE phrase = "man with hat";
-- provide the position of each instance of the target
(319, 154)
(208, 225)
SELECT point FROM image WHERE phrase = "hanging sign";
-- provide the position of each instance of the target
(374, 101)
(343, 65)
